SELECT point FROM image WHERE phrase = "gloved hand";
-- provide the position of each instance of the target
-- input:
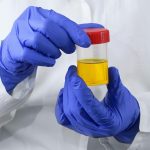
(117, 115)
(35, 40)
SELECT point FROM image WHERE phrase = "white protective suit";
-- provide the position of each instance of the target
(27, 117)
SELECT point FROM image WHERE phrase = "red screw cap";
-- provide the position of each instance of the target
(98, 35)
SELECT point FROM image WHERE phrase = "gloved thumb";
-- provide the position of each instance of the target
(114, 79)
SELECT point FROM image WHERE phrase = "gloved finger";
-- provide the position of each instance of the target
(67, 108)
(77, 111)
(74, 31)
(32, 57)
(54, 33)
(75, 108)
(91, 25)
(78, 36)
(95, 109)
(51, 30)
(114, 79)
(41, 44)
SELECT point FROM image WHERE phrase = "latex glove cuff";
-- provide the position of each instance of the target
(11, 80)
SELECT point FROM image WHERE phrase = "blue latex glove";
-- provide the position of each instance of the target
(117, 115)
(35, 40)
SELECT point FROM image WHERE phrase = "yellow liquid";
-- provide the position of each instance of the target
(93, 71)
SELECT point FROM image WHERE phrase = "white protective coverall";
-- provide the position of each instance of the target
(27, 117)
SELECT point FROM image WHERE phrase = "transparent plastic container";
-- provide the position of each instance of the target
(92, 62)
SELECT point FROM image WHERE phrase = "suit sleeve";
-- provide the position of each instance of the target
(10, 103)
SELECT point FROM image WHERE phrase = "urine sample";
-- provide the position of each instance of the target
(92, 63)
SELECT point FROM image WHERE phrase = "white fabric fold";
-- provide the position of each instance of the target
(9, 103)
